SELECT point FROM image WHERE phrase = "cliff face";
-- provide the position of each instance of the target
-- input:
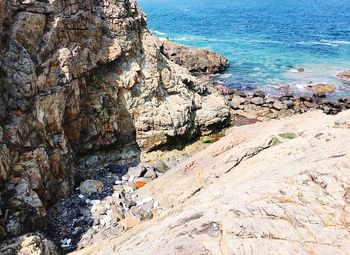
(79, 78)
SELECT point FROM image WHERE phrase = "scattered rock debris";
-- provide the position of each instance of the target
(105, 202)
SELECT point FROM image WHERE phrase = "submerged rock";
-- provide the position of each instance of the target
(320, 89)
(344, 75)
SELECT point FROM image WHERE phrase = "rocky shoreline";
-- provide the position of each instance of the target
(84, 127)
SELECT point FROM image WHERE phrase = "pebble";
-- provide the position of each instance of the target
(137, 171)
(125, 177)
(160, 166)
(95, 202)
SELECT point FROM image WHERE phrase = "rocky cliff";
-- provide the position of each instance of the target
(279, 187)
(80, 80)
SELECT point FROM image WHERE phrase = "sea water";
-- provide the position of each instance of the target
(264, 40)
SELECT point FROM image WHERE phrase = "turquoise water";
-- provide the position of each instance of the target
(264, 40)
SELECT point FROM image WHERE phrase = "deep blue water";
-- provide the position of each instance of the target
(263, 39)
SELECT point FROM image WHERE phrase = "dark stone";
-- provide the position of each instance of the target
(160, 166)
(288, 103)
(306, 98)
(259, 93)
(233, 106)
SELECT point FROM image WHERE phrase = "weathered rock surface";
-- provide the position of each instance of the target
(278, 187)
(198, 61)
(78, 81)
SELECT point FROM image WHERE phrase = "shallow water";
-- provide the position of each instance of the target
(264, 40)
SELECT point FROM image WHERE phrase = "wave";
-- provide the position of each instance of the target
(189, 38)
(314, 43)
(332, 43)
(158, 33)
(339, 42)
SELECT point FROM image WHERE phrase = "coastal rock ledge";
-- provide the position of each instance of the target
(198, 61)
(278, 187)
(79, 81)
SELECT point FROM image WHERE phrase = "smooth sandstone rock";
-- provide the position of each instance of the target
(253, 193)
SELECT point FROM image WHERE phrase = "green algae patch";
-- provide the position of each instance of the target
(211, 138)
(289, 136)
(275, 141)
(207, 139)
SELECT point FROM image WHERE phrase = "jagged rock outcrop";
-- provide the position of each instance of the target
(279, 187)
(79, 80)
(198, 61)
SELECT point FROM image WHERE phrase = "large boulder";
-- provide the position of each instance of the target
(198, 61)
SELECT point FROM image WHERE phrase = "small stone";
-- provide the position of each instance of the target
(278, 105)
(269, 100)
(115, 168)
(141, 213)
(129, 222)
(91, 186)
(160, 166)
(81, 196)
(259, 93)
(125, 177)
(234, 105)
(306, 98)
(95, 202)
(137, 171)
(288, 103)
(150, 174)
(258, 100)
